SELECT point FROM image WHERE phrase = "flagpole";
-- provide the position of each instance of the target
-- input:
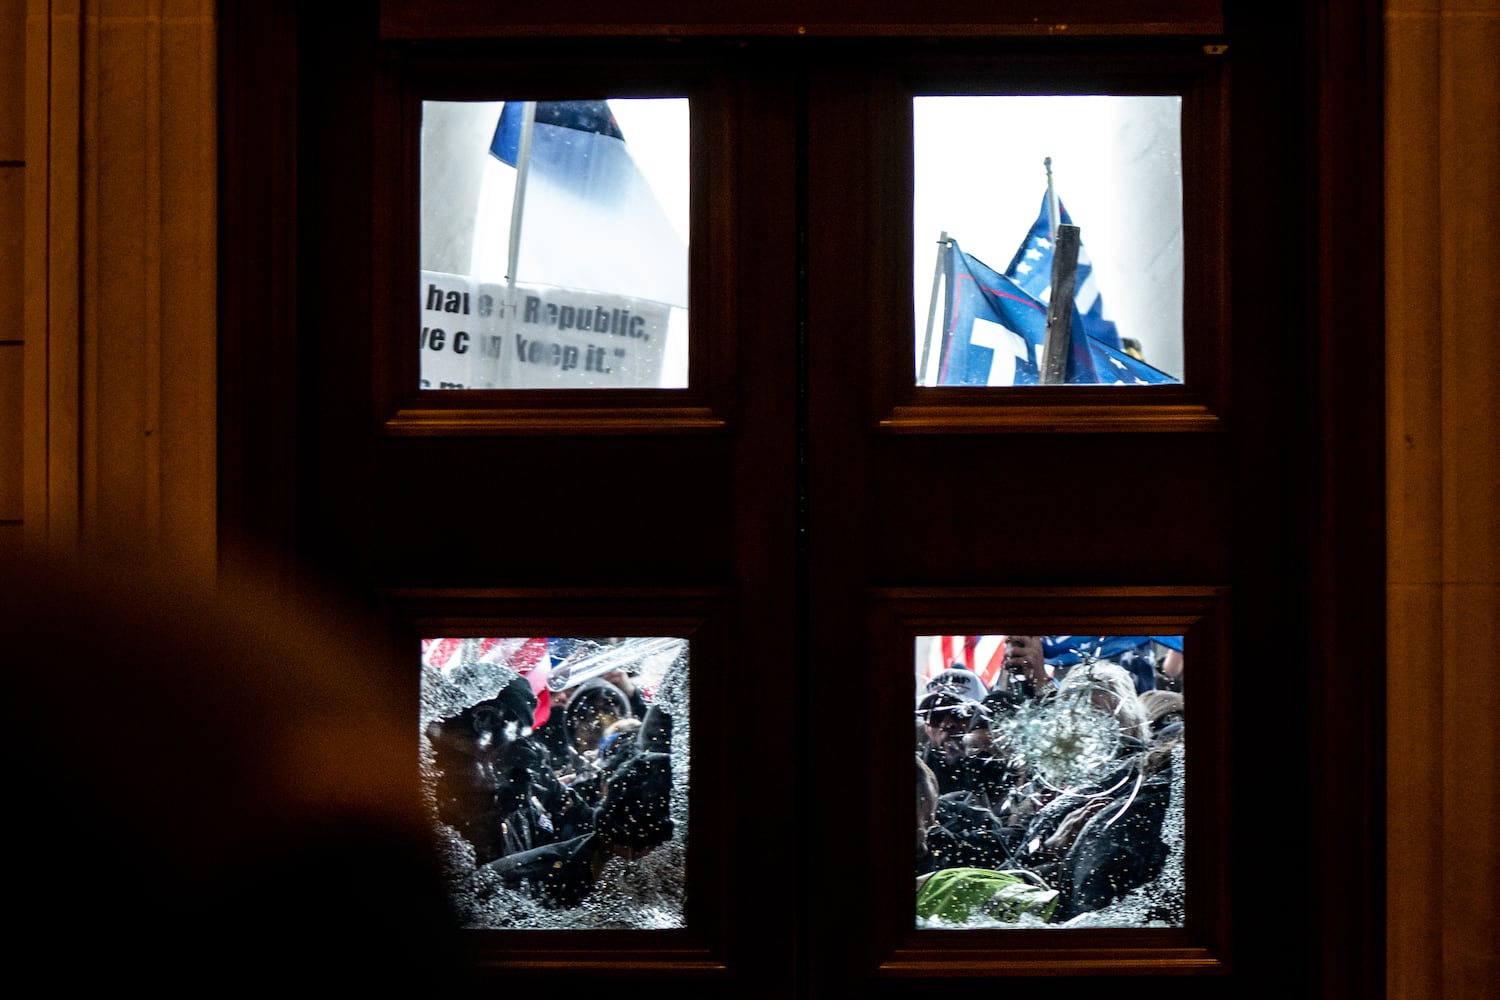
(1060, 306)
(518, 201)
(494, 361)
(937, 277)
(1052, 219)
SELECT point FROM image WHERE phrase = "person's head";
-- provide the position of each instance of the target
(958, 681)
(594, 707)
(1163, 712)
(947, 718)
(506, 716)
(558, 700)
(1111, 690)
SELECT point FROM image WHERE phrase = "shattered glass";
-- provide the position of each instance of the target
(494, 695)
(1087, 827)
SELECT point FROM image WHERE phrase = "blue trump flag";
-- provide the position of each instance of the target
(1133, 652)
(994, 330)
(1065, 650)
(1115, 367)
(1031, 268)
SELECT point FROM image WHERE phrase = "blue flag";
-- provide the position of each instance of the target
(1115, 367)
(994, 330)
(1065, 650)
(1031, 268)
(590, 218)
(593, 117)
(1133, 652)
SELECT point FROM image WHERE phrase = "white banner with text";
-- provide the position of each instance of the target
(480, 335)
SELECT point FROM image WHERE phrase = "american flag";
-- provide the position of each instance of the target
(526, 656)
(983, 654)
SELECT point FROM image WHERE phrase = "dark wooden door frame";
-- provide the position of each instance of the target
(1329, 72)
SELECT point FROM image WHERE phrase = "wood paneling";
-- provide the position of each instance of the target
(12, 253)
(1440, 436)
(11, 356)
(53, 92)
(120, 245)
(1443, 520)
(12, 80)
(12, 250)
(1062, 18)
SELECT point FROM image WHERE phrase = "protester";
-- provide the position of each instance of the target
(959, 764)
(1092, 820)
(633, 819)
(1163, 714)
(1169, 671)
(495, 785)
(1024, 677)
(958, 680)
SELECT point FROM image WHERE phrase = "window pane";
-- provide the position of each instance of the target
(986, 229)
(557, 779)
(554, 244)
(1050, 777)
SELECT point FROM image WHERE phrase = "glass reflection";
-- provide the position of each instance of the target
(1049, 776)
(554, 241)
(556, 772)
(1016, 194)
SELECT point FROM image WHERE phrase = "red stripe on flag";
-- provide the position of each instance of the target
(989, 671)
(437, 652)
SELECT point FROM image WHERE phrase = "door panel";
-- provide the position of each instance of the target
(802, 487)
(949, 501)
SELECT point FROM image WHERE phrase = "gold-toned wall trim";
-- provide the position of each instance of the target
(120, 284)
(1442, 176)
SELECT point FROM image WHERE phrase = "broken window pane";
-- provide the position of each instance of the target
(1049, 774)
(556, 770)
(1008, 188)
(554, 244)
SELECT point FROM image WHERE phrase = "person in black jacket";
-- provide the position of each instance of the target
(634, 818)
(495, 783)
(1097, 831)
(959, 751)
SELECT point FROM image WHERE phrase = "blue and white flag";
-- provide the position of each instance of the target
(1031, 268)
(590, 219)
(994, 330)
(1115, 367)
(1133, 652)
(1065, 650)
(592, 117)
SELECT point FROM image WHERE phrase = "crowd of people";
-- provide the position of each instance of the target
(1050, 793)
(545, 807)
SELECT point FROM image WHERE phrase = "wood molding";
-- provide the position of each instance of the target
(119, 302)
(1442, 589)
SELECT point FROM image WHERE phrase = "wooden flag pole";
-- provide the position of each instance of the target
(1052, 212)
(937, 277)
(1060, 305)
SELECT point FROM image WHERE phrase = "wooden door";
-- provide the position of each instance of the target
(807, 511)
